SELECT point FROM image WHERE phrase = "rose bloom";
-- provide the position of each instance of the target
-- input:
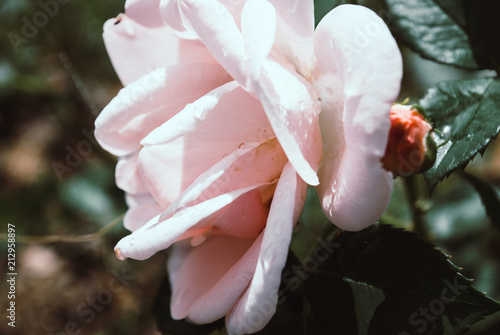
(229, 110)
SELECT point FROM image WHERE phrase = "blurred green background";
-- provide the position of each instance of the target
(54, 81)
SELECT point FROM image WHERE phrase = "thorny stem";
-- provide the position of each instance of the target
(65, 238)
(414, 197)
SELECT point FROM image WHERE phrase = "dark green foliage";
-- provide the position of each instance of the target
(466, 115)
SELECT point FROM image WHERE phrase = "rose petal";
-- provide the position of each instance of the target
(201, 135)
(258, 26)
(144, 12)
(139, 215)
(357, 91)
(219, 33)
(150, 101)
(256, 307)
(136, 50)
(295, 33)
(245, 217)
(226, 114)
(153, 237)
(261, 163)
(293, 110)
(204, 290)
(172, 16)
(128, 175)
(142, 208)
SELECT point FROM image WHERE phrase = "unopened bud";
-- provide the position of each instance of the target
(410, 148)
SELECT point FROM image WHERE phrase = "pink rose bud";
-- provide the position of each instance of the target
(410, 148)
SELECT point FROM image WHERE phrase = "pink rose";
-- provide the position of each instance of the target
(229, 170)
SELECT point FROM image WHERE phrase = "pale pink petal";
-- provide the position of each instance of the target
(136, 50)
(153, 237)
(258, 26)
(240, 53)
(139, 215)
(295, 33)
(172, 16)
(245, 217)
(257, 163)
(142, 208)
(204, 290)
(152, 100)
(139, 199)
(293, 109)
(219, 33)
(358, 75)
(223, 122)
(128, 175)
(256, 307)
(235, 7)
(144, 12)
(226, 114)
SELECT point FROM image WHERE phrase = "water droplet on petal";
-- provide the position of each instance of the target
(335, 186)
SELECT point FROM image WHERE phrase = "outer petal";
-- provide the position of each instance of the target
(136, 50)
(142, 208)
(204, 290)
(139, 215)
(152, 100)
(128, 176)
(292, 108)
(256, 307)
(358, 75)
(151, 238)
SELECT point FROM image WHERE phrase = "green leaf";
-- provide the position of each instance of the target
(428, 29)
(383, 280)
(312, 225)
(488, 195)
(466, 115)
